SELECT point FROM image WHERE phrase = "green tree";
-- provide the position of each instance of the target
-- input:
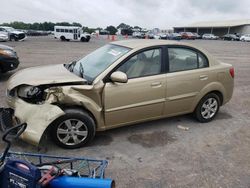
(123, 26)
(112, 30)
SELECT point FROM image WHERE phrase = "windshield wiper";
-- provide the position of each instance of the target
(70, 66)
(81, 69)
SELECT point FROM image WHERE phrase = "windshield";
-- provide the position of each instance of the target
(96, 62)
(9, 28)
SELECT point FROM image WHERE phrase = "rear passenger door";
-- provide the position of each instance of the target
(187, 75)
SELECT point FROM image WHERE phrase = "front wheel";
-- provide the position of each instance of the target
(74, 129)
(207, 108)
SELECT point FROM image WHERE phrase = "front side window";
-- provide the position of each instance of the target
(145, 63)
(181, 59)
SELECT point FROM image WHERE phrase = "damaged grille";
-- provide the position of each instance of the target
(6, 118)
(21, 36)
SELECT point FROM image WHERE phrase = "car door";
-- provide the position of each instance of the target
(187, 74)
(143, 96)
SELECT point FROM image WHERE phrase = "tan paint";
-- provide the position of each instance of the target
(118, 104)
(37, 117)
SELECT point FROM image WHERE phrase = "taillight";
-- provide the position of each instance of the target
(232, 72)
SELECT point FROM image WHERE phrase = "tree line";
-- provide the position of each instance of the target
(49, 26)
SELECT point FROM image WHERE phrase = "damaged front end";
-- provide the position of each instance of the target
(40, 106)
(40, 95)
(37, 117)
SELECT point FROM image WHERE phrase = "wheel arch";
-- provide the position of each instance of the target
(214, 87)
(66, 108)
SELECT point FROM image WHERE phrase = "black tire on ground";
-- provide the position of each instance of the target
(83, 39)
(74, 129)
(62, 38)
(88, 38)
(207, 108)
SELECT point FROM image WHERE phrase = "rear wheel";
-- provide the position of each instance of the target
(83, 39)
(74, 129)
(207, 108)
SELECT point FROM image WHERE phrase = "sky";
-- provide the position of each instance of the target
(163, 14)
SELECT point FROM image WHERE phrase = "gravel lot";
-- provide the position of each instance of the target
(158, 154)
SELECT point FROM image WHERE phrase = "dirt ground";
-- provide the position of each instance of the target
(157, 154)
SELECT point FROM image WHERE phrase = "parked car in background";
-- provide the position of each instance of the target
(209, 36)
(174, 36)
(163, 35)
(137, 34)
(231, 37)
(187, 35)
(8, 59)
(197, 36)
(3, 37)
(245, 37)
(73, 101)
(12, 33)
(149, 35)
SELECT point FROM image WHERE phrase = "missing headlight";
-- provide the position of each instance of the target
(31, 94)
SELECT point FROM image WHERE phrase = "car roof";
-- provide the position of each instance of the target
(143, 43)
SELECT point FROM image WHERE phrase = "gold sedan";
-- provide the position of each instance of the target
(121, 83)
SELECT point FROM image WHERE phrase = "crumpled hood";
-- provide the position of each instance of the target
(51, 74)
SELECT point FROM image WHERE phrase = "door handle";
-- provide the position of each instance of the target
(156, 84)
(203, 77)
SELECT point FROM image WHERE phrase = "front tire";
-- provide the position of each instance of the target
(73, 130)
(207, 108)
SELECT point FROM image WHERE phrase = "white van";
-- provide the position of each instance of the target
(67, 33)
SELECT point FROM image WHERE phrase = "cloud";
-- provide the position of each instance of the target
(145, 13)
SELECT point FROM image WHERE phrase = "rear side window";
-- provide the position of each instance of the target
(181, 59)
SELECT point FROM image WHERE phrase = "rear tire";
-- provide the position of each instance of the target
(83, 39)
(74, 129)
(207, 108)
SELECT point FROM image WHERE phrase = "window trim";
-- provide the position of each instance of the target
(188, 48)
(163, 60)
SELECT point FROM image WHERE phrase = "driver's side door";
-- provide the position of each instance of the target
(143, 96)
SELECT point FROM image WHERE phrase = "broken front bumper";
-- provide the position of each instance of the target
(37, 117)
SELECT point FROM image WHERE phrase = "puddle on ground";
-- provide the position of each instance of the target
(223, 115)
(154, 139)
(101, 140)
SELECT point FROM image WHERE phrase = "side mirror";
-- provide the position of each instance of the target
(119, 77)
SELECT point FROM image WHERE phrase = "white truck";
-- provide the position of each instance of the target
(67, 33)
(12, 33)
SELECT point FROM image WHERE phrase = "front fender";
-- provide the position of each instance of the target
(79, 96)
